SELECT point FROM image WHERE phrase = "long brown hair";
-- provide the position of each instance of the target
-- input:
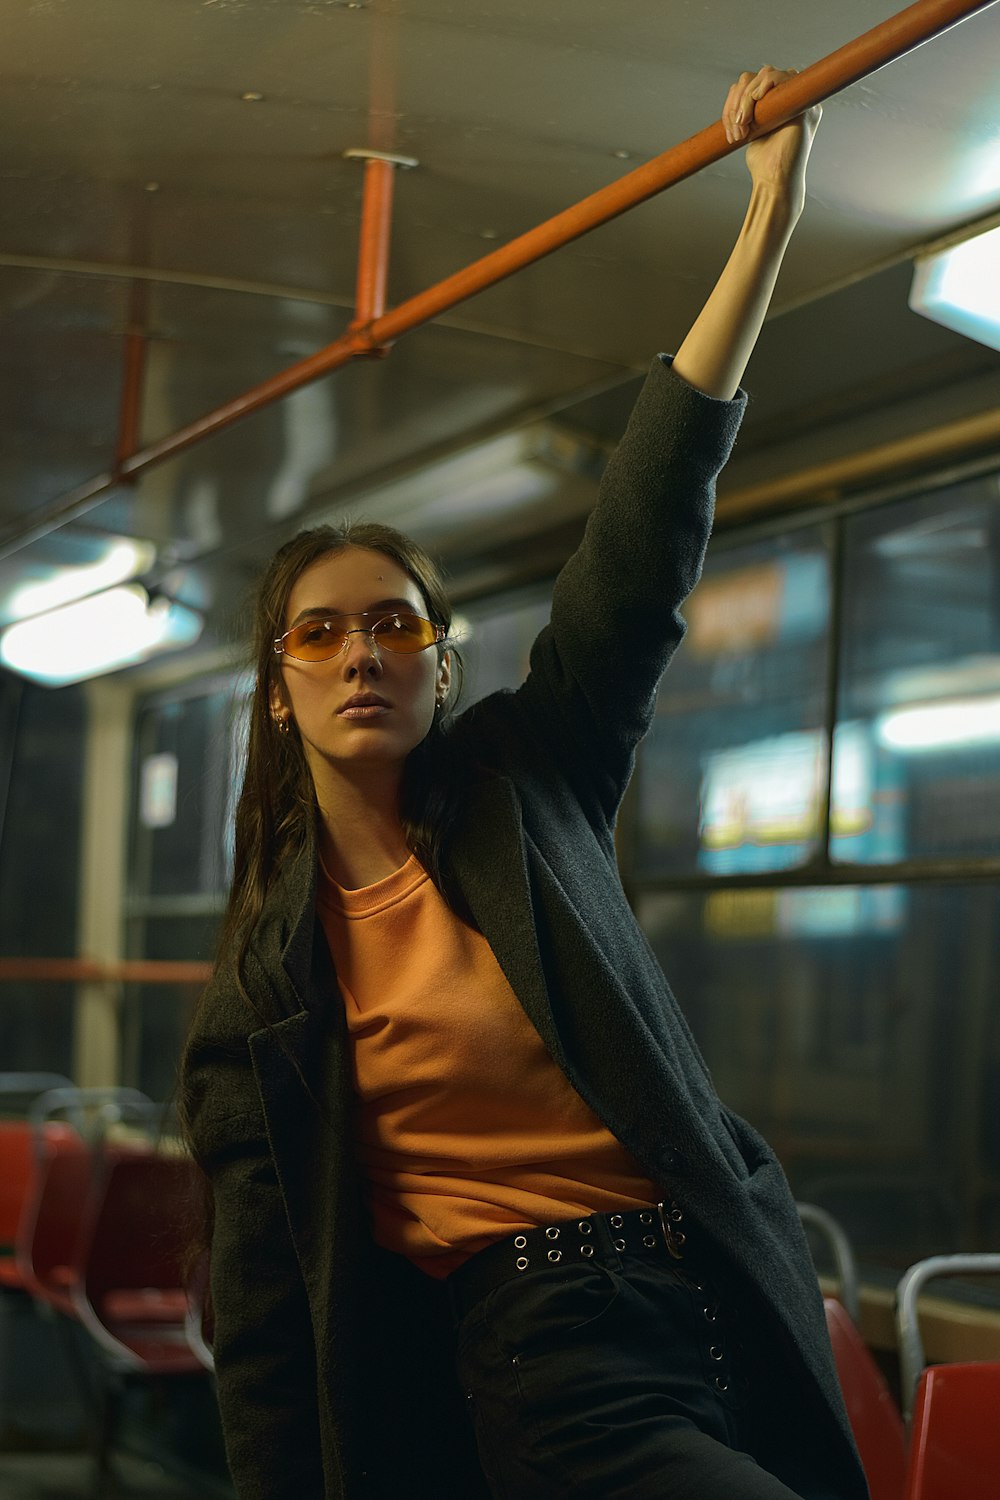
(277, 803)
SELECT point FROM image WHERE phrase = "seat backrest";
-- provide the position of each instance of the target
(874, 1415)
(49, 1231)
(15, 1174)
(955, 1437)
(142, 1224)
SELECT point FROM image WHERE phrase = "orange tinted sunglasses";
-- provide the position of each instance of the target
(326, 636)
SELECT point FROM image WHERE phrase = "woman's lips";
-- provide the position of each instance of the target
(364, 706)
(364, 711)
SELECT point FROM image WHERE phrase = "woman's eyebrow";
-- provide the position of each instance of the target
(323, 612)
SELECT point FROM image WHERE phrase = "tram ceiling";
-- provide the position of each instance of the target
(175, 170)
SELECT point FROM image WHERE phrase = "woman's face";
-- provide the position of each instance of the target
(368, 704)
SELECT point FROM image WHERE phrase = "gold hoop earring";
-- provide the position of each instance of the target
(282, 724)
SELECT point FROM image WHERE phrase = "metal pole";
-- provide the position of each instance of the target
(884, 43)
(373, 242)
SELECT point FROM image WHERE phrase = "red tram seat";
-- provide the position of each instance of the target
(874, 1416)
(16, 1166)
(955, 1437)
(17, 1093)
(129, 1291)
(49, 1231)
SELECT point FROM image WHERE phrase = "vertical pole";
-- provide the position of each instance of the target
(106, 783)
(882, 44)
(373, 242)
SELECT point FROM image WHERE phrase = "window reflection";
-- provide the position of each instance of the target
(921, 672)
(732, 774)
(857, 1028)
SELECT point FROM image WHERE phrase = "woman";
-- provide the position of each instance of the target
(452, 1117)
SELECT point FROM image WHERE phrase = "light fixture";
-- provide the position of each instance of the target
(952, 724)
(958, 285)
(499, 483)
(123, 559)
(99, 634)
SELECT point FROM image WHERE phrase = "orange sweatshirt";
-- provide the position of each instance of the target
(467, 1130)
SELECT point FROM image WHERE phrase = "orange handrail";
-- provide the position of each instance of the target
(882, 44)
(373, 243)
(90, 971)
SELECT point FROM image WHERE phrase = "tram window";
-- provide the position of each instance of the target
(182, 790)
(495, 639)
(857, 1028)
(920, 678)
(731, 774)
(156, 1018)
(41, 787)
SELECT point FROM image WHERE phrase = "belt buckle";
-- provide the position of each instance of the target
(672, 1240)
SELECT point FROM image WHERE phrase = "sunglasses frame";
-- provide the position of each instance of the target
(280, 648)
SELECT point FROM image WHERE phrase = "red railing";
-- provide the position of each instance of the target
(372, 330)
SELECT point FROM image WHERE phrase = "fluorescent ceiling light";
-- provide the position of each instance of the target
(124, 559)
(959, 286)
(955, 724)
(492, 483)
(99, 634)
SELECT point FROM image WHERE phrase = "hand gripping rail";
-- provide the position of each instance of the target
(373, 330)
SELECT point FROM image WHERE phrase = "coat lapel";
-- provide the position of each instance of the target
(489, 863)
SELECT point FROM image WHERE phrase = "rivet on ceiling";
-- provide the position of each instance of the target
(252, 97)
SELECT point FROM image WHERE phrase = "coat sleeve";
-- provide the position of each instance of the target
(263, 1341)
(615, 620)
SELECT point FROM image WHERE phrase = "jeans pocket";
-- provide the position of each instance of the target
(550, 1307)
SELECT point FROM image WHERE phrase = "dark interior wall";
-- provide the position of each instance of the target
(42, 735)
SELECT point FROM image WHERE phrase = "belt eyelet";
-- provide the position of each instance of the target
(585, 1227)
(520, 1241)
(617, 1221)
(716, 1351)
(587, 1250)
(555, 1256)
(552, 1233)
(522, 1263)
(618, 1244)
(649, 1240)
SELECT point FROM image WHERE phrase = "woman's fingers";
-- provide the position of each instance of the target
(732, 110)
(738, 112)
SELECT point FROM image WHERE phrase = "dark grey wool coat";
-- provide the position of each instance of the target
(334, 1374)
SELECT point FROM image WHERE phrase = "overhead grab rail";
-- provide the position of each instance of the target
(373, 330)
(91, 971)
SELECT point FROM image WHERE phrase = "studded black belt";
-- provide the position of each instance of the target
(657, 1231)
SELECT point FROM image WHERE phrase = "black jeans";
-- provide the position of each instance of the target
(612, 1378)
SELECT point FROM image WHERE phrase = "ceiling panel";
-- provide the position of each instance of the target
(201, 142)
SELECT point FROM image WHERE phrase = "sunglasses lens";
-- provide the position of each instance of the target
(322, 639)
(315, 640)
(404, 633)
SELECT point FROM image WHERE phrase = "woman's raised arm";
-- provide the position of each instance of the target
(715, 353)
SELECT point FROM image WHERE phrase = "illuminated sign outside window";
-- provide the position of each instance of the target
(762, 809)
